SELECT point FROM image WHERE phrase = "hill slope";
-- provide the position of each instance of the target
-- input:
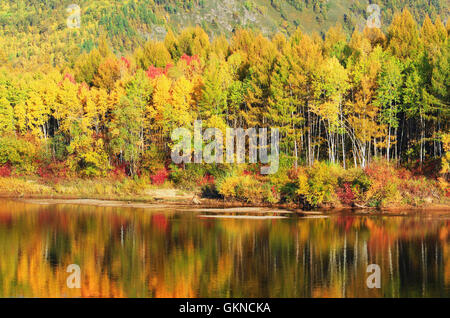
(36, 32)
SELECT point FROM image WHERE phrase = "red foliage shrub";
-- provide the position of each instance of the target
(54, 171)
(207, 179)
(379, 171)
(274, 190)
(119, 171)
(346, 194)
(160, 177)
(254, 172)
(430, 168)
(5, 171)
(293, 174)
(404, 174)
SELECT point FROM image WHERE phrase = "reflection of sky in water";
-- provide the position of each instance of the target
(132, 252)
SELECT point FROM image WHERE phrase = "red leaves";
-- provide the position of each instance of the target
(381, 172)
(190, 66)
(346, 194)
(154, 72)
(274, 190)
(54, 172)
(126, 62)
(207, 179)
(160, 177)
(190, 59)
(429, 168)
(70, 78)
(5, 171)
(293, 174)
(119, 171)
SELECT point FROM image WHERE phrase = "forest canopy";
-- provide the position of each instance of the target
(344, 101)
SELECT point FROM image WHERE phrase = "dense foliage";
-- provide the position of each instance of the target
(346, 101)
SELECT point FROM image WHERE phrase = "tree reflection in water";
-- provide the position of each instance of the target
(125, 252)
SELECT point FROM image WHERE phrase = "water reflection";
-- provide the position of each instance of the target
(126, 252)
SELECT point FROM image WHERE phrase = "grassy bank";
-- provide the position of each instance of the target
(126, 189)
(380, 185)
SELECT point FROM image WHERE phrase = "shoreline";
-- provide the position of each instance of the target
(163, 203)
(129, 193)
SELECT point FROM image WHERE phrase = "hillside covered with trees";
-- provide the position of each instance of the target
(353, 111)
(35, 32)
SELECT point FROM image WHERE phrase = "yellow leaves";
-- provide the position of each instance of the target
(34, 112)
(242, 187)
(153, 53)
(161, 95)
(433, 38)
(360, 44)
(308, 53)
(303, 186)
(68, 108)
(330, 110)
(6, 116)
(115, 132)
(334, 36)
(361, 119)
(3, 57)
(194, 41)
(108, 73)
(218, 122)
(220, 46)
(234, 62)
(88, 157)
(445, 171)
(181, 94)
(403, 35)
(37, 112)
(331, 86)
(316, 184)
(362, 111)
(98, 102)
(161, 100)
(114, 97)
(95, 105)
(20, 113)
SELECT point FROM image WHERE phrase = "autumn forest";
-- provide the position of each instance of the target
(363, 118)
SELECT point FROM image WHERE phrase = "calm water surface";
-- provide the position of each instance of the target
(134, 252)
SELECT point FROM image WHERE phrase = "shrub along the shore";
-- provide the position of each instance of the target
(381, 184)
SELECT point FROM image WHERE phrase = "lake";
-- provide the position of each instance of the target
(179, 252)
